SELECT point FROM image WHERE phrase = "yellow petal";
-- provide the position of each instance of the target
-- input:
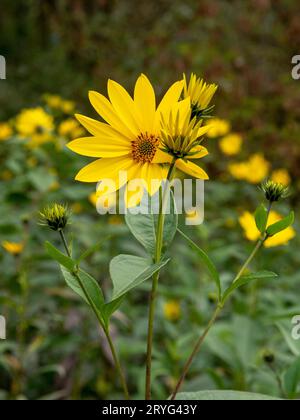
(98, 128)
(152, 175)
(99, 147)
(191, 169)
(124, 106)
(134, 192)
(199, 151)
(144, 99)
(114, 184)
(162, 157)
(171, 96)
(103, 168)
(108, 113)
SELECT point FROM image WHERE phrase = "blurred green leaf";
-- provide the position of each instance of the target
(291, 379)
(223, 396)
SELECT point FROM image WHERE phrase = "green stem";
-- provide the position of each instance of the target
(117, 363)
(158, 250)
(105, 329)
(194, 352)
(215, 315)
(63, 238)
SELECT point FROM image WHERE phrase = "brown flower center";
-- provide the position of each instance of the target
(144, 148)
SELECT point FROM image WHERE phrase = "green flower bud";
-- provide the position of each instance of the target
(274, 191)
(56, 216)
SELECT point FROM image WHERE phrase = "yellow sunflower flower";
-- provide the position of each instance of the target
(218, 127)
(35, 125)
(247, 221)
(281, 176)
(200, 94)
(13, 248)
(130, 139)
(231, 144)
(5, 131)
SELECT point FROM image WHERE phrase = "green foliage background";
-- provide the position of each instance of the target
(54, 349)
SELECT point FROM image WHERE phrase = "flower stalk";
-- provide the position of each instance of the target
(158, 252)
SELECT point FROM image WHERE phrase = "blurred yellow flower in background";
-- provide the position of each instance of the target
(218, 127)
(231, 144)
(172, 310)
(70, 128)
(6, 175)
(281, 176)
(247, 221)
(5, 131)
(255, 170)
(77, 208)
(58, 103)
(35, 124)
(13, 248)
(105, 202)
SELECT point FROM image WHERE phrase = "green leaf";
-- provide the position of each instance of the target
(261, 218)
(111, 307)
(291, 379)
(92, 249)
(285, 329)
(61, 258)
(206, 260)
(260, 275)
(129, 271)
(144, 226)
(281, 225)
(224, 396)
(93, 295)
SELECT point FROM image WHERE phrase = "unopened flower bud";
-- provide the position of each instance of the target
(56, 216)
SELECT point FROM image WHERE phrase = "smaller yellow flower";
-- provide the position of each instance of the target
(172, 310)
(281, 176)
(67, 107)
(32, 162)
(35, 125)
(231, 144)
(14, 248)
(247, 221)
(53, 101)
(255, 170)
(218, 127)
(238, 170)
(200, 94)
(5, 131)
(70, 129)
